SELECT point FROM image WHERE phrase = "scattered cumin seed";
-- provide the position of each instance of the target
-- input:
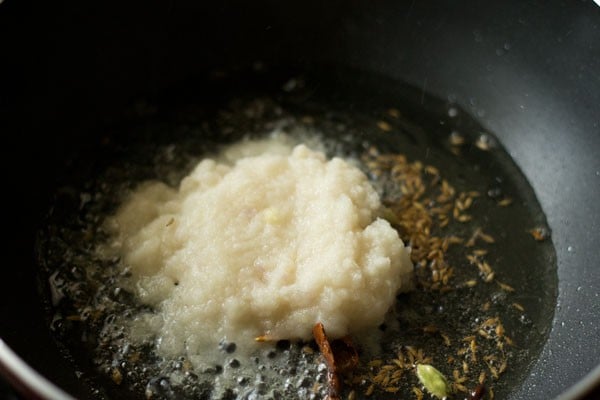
(539, 234)
(393, 112)
(308, 350)
(418, 393)
(489, 277)
(484, 142)
(446, 339)
(384, 126)
(422, 203)
(486, 238)
(505, 202)
(499, 330)
(431, 170)
(503, 366)
(505, 287)
(116, 376)
(464, 218)
(483, 333)
(456, 139)
(482, 376)
(461, 388)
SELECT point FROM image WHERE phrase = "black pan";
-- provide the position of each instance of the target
(526, 71)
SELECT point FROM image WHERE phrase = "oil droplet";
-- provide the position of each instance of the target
(494, 192)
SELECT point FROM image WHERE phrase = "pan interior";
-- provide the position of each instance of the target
(161, 138)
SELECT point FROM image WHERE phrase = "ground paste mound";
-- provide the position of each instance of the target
(267, 245)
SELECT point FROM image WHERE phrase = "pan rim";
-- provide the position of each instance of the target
(26, 380)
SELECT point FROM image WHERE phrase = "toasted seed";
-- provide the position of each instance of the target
(482, 377)
(489, 277)
(483, 333)
(505, 202)
(539, 234)
(461, 388)
(116, 376)
(418, 393)
(445, 338)
(393, 112)
(456, 139)
(486, 238)
(505, 287)
(480, 252)
(384, 126)
(464, 218)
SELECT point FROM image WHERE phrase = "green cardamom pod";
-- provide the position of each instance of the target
(433, 380)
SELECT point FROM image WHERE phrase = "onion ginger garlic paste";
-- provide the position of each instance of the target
(264, 244)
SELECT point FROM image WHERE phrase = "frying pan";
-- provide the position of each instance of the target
(529, 71)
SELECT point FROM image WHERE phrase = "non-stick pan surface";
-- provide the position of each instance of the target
(526, 71)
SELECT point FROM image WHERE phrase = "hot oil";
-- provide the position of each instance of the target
(166, 139)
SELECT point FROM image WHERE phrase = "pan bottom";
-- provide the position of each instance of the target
(486, 288)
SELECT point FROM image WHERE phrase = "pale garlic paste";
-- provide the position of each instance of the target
(268, 242)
